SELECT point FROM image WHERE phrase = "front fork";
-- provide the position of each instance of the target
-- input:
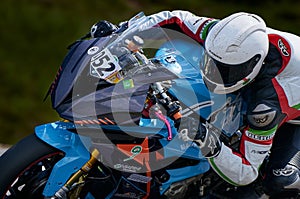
(62, 192)
(77, 160)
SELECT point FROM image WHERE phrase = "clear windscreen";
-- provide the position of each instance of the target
(143, 47)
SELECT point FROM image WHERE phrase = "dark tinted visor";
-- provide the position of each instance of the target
(227, 74)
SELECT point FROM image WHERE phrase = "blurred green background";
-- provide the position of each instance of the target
(34, 35)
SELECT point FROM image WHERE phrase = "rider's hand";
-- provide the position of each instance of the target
(204, 136)
(102, 28)
(208, 140)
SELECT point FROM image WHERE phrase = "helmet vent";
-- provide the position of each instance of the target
(245, 33)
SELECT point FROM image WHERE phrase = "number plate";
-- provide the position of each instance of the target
(104, 65)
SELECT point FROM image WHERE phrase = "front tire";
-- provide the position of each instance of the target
(25, 168)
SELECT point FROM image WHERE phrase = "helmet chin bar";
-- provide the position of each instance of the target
(221, 89)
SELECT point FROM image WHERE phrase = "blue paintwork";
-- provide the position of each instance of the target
(74, 146)
(76, 154)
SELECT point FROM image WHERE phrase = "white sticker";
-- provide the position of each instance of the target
(104, 64)
(93, 50)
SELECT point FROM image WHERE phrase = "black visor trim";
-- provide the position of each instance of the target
(228, 74)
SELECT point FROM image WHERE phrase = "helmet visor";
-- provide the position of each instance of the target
(227, 74)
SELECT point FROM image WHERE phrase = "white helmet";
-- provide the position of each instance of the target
(235, 49)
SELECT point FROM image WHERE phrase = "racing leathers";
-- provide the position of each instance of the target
(272, 100)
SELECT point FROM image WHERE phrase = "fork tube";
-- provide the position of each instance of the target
(61, 193)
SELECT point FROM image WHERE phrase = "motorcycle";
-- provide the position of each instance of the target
(127, 101)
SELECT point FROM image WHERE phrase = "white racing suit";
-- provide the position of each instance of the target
(273, 100)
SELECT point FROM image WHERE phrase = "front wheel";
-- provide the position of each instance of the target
(25, 168)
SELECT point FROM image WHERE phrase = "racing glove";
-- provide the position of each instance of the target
(204, 135)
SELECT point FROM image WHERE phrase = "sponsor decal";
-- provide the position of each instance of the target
(259, 137)
(93, 50)
(139, 178)
(283, 48)
(135, 151)
(196, 21)
(259, 152)
(127, 195)
(127, 83)
(283, 172)
(262, 119)
(214, 54)
(193, 23)
(127, 168)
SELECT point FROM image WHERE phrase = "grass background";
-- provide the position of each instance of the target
(34, 35)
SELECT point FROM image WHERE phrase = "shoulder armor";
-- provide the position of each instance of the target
(262, 116)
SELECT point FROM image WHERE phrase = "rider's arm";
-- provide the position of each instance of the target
(241, 168)
(184, 21)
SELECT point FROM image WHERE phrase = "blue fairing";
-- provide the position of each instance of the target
(191, 92)
(178, 148)
(76, 155)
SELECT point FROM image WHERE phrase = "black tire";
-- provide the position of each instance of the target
(25, 168)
